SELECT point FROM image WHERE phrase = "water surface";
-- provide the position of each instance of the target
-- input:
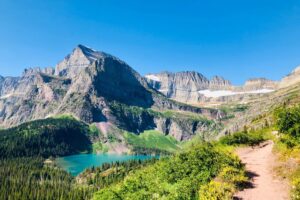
(76, 164)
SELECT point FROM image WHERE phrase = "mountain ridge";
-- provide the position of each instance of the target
(104, 91)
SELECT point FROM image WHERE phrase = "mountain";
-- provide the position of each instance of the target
(181, 86)
(184, 86)
(98, 88)
(291, 79)
(259, 83)
(193, 87)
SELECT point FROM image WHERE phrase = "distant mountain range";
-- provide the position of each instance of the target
(99, 88)
(193, 87)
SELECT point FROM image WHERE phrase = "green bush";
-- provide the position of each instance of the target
(176, 177)
(234, 176)
(288, 120)
(244, 138)
(295, 193)
(288, 123)
(216, 191)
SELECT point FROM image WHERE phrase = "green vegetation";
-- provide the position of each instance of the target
(48, 137)
(120, 110)
(180, 176)
(99, 147)
(200, 170)
(151, 140)
(288, 146)
(110, 173)
(251, 138)
(180, 115)
(234, 108)
(94, 131)
(64, 116)
(288, 121)
(28, 178)
(231, 110)
(225, 185)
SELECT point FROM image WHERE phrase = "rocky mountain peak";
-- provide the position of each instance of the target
(291, 79)
(296, 70)
(81, 57)
(31, 71)
(259, 83)
(218, 82)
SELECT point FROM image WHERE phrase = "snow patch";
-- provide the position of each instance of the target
(10, 95)
(6, 96)
(222, 93)
(152, 77)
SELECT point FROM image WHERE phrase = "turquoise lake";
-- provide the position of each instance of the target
(76, 164)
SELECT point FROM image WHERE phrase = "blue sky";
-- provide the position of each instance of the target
(238, 39)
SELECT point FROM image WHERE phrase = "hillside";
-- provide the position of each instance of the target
(100, 89)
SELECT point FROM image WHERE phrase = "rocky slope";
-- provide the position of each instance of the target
(259, 83)
(184, 86)
(88, 84)
(193, 87)
(259, 109)
(291, 79)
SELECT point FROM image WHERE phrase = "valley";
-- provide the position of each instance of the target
(93, 128)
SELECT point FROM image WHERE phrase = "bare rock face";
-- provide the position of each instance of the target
(80, 58)
(7, 84)
(184, 86)
(86, 84)
(194, 88)
(291, 79)
(259, 83)
(181, 86)
(219, 83)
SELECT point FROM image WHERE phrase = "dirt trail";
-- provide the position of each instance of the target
(259, 164)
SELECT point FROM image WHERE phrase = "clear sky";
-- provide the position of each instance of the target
(238, 39)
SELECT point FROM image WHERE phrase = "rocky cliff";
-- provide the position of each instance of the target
(193, 87)
(291, 79)
(87, 84)
(259, 83)
(184, 86)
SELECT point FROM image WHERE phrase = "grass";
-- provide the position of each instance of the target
(99, 147)
(64, 116)
(153, 140)
(288, 165)
(234, 108)
(183, 115)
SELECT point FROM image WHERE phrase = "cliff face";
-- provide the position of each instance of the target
(7, 84)
(184, 86)
(194, 88)
(291, 79)
(259, 83)
(86, 84)
(219, 83)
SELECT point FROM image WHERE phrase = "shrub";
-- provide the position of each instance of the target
(233, 175)
(216, 191)
(288, 120)
(295, 189)
(177, 177)
(240, 138)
